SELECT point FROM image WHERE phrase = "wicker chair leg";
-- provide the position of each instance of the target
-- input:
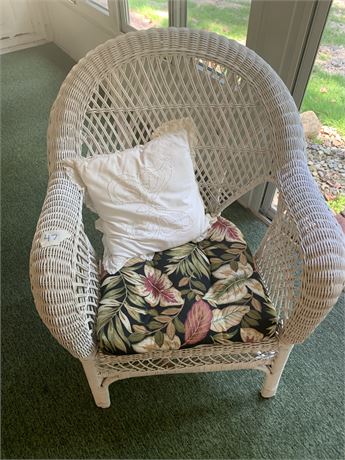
(99, 392)
(272, 379)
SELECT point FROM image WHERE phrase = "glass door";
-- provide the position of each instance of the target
(320, 88)
(229, 17)
(325, 97)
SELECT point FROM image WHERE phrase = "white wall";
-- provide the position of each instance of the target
(15, 18)
(79, 28)
(21, 24)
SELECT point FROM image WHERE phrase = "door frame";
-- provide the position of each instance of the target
(291, 52)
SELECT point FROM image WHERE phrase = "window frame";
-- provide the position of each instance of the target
(177, 11)
(91, 12)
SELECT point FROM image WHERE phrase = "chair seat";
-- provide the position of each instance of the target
(205, 292)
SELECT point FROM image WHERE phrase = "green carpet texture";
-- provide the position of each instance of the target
(47, 408)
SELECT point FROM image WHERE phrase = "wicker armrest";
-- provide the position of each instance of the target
(64, 276)
(302, 257)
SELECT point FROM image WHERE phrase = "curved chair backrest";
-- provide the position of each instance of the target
(123, 90)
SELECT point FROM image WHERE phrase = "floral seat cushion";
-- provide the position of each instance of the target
(198, 293)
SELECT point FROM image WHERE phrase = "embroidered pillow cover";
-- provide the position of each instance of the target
(205, 292)
(146, 197)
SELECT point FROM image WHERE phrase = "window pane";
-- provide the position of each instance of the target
(144, 15)
(225, 17)
(102, 4)
(325, 96)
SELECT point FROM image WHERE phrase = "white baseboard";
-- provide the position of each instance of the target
(20, 42)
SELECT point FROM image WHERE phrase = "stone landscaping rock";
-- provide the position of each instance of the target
(311, 124)
(333, 61)
(326, 162)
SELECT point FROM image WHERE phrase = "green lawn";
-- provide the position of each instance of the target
(329, 106)
(230, 21)
(155, 10)
(334, 33)
(325, 94)
(338, 204)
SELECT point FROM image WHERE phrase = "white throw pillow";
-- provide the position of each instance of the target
(147, 198)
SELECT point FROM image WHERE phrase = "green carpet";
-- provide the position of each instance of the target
(47, 409)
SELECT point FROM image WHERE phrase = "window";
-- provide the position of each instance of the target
(144, 15)
(102, 13)
(136, 14)
(229, 17)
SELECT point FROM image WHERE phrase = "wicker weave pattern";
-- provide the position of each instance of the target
(64, 278)
(249, 132)
(210, 358)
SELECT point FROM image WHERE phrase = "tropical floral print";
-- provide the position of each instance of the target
(198, 293)
(156, 288)
(223, 229)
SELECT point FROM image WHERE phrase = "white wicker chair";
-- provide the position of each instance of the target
(249, 132)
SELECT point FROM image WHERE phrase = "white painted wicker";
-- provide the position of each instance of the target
(249, 132)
